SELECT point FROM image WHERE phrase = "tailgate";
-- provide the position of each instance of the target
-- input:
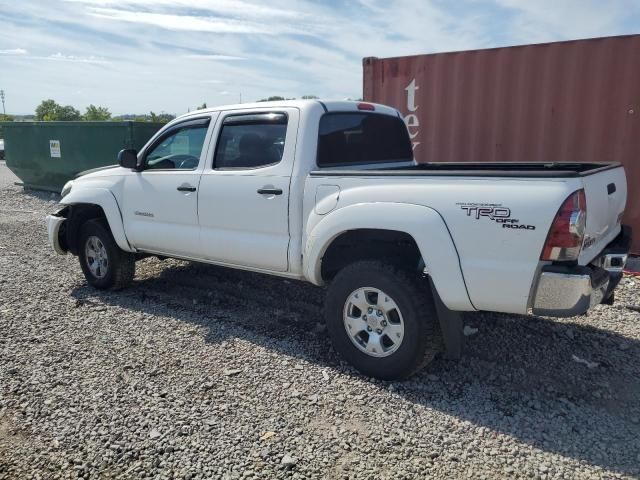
(606, 194)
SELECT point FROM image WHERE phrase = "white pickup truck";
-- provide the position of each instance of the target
(329, 193)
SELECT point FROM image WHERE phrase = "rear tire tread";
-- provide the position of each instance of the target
(417, 297)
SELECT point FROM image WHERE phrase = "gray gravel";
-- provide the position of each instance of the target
(201, 372)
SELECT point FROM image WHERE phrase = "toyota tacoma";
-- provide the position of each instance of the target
(329, 193)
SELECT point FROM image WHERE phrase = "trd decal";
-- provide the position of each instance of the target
(494, 212)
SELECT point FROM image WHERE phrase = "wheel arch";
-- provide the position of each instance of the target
(397, 247)
(95, 203)
(423, 225)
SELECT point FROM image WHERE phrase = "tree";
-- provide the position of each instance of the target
(272, 99)
(49, 111)
(6, 118)
(162, 118)
(165, 117)
(98, 114)
(46, 111)
(68, 114)
(203, 106)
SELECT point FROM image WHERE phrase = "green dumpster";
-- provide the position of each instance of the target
(45, 155)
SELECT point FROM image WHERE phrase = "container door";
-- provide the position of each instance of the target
(161, 201)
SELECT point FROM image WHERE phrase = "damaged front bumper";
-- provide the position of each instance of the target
(569, 290)
(56, 232)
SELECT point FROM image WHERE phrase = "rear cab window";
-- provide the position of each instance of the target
(357, 138)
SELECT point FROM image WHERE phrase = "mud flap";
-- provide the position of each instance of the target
(451, 327)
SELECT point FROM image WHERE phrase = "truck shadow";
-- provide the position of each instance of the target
(520, 376)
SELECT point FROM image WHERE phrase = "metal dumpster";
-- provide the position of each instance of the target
(1, 144)
(45, 155)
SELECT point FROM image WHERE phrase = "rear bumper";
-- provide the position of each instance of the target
(569, 291)
(566, 291)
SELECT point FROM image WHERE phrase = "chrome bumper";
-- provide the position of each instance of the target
(566, 291)
(570, 293)
(54, 223)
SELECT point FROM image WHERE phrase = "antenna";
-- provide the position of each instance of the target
(2, 97)
(240, 97)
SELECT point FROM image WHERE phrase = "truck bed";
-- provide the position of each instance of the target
(515, 169)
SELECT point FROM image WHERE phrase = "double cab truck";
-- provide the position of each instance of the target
(329, 193)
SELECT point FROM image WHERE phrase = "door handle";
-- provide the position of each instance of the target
(186, 188)
(270, 191)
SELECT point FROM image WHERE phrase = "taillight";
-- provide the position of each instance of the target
(366, 106)
(566, 234)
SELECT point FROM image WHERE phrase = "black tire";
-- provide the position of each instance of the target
(422, 337)
(120, 264)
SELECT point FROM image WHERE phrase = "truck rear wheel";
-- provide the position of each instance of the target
(104, 264)
(381, 320)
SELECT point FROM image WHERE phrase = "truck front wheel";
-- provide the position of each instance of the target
(382, 320)
(104, 264)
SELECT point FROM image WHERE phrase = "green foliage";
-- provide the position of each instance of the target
(203, 106)
(49, 111)
(152, 117)
(46, 111)
(277, 98)
(6, 118)
(272, 99)
(68, 114)
(162, 118)
(96, 114)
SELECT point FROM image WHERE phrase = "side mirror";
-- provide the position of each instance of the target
(128, 158)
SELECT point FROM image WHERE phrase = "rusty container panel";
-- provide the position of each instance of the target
(575, 101)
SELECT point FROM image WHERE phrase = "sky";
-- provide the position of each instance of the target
(134, 56)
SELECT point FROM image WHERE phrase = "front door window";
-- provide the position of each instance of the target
(180, 149)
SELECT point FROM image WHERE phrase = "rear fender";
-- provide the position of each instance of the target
(105, 200)
(424, 224)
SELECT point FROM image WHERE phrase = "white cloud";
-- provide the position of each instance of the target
(72, 58)
(23, 54)
(14, 51)
(198, 56)
(549, 20)
(238, 8)
(157, 50)
(194, 23)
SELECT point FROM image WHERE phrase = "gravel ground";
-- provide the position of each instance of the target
(201, 372)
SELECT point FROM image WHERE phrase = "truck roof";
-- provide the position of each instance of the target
(328, 105)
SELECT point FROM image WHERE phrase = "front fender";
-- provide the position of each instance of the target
(105, 200)
(424, 224)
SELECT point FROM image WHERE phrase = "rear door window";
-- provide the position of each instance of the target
(359, 138)
(251, 141)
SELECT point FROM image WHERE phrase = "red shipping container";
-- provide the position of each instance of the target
(575, 101)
